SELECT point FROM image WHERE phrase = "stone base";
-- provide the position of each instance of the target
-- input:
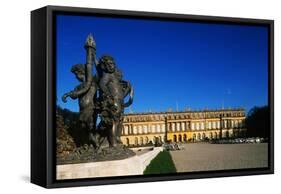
(86, 154)
(131, 166)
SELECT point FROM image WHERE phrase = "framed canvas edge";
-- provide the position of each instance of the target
(50, 104)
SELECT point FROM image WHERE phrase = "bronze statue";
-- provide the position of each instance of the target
(101, 95)
(112, 90)
(87, 100)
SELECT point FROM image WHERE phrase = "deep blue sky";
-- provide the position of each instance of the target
(171, 64)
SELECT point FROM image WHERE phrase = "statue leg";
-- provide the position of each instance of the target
(119, 131)
(112, 135)
(90, 125)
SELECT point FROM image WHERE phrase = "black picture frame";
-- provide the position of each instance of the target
(43, 98)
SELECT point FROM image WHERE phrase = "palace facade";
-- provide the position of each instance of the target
(186, 126)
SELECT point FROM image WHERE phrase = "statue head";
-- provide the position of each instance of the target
(79, 71)
(107, 64)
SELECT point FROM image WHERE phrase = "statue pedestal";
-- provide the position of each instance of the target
(130, 166)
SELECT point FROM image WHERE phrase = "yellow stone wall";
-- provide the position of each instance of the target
(139, 129)
(145, 138)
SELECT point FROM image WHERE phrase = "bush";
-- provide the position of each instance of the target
(161, 164)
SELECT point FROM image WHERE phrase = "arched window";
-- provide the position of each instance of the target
(154, 139)
(175, 138)
(227, 134)
(127, 141)
(198, 136)
(136, 141)
(184, 138)
(141, 140)
(160, 139)
(203, 136)
(180, 138)
(146, 140)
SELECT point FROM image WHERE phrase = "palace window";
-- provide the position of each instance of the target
(182, 126)
(214, 125)
(145, 129)
(225, 124)
(140, 129)
(158, 128)
(153, 129)
(126, 129)
(202, 126)
(192, 126)
(178, 126)
(135, 129)
(173, 127)
(197, 126)
(163, 128)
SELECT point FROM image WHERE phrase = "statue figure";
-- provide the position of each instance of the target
(101, 95)
(113, 90)
(86, 92)
(87, 100)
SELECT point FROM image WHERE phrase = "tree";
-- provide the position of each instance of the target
(64, 141)
(72, 126)
(257, 122)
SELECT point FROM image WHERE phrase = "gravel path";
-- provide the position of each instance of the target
(203, 157)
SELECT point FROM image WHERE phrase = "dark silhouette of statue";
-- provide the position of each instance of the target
(87, 100)
(101, 95)
(112, 90)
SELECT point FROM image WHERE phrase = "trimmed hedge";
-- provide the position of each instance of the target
(161, 164)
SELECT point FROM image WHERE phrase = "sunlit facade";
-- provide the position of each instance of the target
(186, 126)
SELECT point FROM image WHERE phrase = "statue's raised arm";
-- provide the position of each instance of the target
(90, 47)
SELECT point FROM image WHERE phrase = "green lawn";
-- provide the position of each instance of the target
(161, 164)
